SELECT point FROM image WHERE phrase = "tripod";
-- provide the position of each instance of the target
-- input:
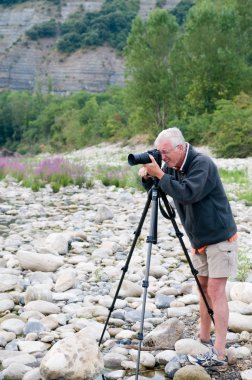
(153, 199)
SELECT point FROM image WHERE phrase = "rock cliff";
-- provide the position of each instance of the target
(25, 64)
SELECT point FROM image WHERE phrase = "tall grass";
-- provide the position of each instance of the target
(59, 172)
(55, 171)
(240, 181)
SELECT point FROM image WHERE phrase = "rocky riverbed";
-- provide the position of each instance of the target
(61, 258)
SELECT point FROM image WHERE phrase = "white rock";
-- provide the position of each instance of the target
(39, 262)
(43, 307)
(77, 356)
(13, 325)
(190, 346)
(66, 280)
(23, 359)
(38, 292)
(165, 356)
(33, 374)
(15, 371)
(8, 282)
(125, 334)
(242, 291)
(239, 322)
(58, 242)
(128, 289)
(246, 375)
(146, 358)
(6, 305)
(32, 346)
(239, 307)
(179, 311)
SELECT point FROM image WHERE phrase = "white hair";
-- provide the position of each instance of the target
(174, 135)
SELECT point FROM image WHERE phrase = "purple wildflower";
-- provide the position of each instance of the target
(12, 166)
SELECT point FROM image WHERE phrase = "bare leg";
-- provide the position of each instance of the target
(205, 319)
(216, 291)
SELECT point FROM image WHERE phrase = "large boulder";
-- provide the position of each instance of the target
(76, 357)
(165, 335)
(39, 262)
(191, 372)
(239, 322)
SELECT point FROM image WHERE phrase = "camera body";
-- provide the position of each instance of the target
(143, 158)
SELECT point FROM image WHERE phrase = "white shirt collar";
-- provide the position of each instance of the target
(181, 168)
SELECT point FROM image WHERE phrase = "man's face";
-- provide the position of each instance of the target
(172, 156)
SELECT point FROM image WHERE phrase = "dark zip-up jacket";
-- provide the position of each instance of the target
(200, 199)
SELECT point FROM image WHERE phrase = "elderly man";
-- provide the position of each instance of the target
(192, 180)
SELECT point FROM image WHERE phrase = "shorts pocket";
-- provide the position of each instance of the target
(227, 246)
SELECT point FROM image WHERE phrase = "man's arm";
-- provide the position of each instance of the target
(196, 185)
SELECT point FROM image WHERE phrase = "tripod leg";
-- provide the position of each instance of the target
(126, 266)
(151, 239)
(179, 235)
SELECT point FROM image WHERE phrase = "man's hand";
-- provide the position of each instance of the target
(143, 173)
(153, 169)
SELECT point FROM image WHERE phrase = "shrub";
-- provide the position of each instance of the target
(111, 25)
(45, 29)
(230, 132)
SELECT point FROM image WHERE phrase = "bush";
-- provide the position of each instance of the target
(45, 29)
(111, 25)
(194, 128)
(230, 133)
(69, 42)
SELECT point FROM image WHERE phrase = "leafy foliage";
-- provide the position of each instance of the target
(209, 59)
(39, 122)
(110, 25)
(45, 29)
(181, 10)
(230, 130)
(149, 78)
(197, 76)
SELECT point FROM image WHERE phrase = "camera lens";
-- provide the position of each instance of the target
(135, 159)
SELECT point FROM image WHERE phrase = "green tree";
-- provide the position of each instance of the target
(244, 8)
(17, 110)
(149, 92)
(209, 61)
(230, 132)
(181, 10)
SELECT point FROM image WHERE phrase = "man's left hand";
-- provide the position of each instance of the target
(153, 168)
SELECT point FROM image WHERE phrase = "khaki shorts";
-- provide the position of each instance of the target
(219, 260)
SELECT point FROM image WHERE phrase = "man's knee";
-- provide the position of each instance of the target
(216, 289)
(203, 283)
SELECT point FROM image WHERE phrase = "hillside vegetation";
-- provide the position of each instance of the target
(193, 70)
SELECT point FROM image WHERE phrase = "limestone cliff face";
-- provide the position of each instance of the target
(25, 64)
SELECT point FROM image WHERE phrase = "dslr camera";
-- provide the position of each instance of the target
(143, 158)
